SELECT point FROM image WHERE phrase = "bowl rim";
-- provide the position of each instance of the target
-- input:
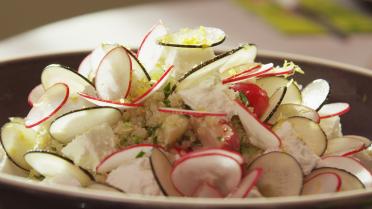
(22, 183)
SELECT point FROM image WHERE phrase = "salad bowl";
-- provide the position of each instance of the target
(349, 83)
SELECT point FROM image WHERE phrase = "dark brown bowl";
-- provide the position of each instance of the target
(348, 84)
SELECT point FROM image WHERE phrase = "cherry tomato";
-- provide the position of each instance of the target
(256, 96)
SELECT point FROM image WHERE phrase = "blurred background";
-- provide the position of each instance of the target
(339, 30)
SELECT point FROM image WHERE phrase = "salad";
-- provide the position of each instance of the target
(174, 119)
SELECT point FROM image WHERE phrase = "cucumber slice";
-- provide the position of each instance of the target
(161, 167)
(242, 55)
(281, 176)
(348, 180)
(48, 106)
(56, 73)
(201, 37)
(51, 164)
(274, 102)
(322, 183)
(16, 140)
(138, 68)
(114, 75)
(285, 111)
(271, 84)
(315, 94)
(306, 130)
(85, 67)
(71, 124)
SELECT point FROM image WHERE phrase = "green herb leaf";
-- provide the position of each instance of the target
(167, 102)
(244, 99)
(140, 154)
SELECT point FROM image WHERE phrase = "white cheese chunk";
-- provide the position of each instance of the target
(294, 146)
(135, 177)
(87, 149)
(210, 95)
(331, 127)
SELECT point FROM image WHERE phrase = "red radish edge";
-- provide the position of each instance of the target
(189, 112)
(276, 74)
(351, 158)
(338, 188)
(29, 95)
(187, 157)
(354, 151)
(243, 77)
(259, 172)
(54, 111)
(337, 114)
(200, 151)
(109, 101)
(243, 72)
(264, 125)
(127, 148)
(146, 36)
(138, 99)
(130, 67)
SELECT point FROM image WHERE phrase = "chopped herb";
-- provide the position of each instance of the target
(152, 130)
(136, 139)
(169, 89)
(167, 102)
(243, 98)
(140, 154)
(220, 138)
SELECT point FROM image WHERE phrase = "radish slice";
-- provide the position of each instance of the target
(149, 52)
(48, 105)
(246, 185)
(306, 130)
(158, 85)
(108, 103)
(35, 94)
(54, 73)
(274, 102)
(122, 156)
(190, 112)
(348, 180)
(271, 84)
(282, 175)
(344, 146)
(254, 73)
(242, 55)
(85, 67)
(260, 135)
(367, 142)
(277, 71)
(114, 75)
(16, 140)
(161, 167)
(201, 37)
(285, 111)
(333, 109)
(350, 165)
(207, 191)
(51, 164)
(240, 70)
(97, 55)
(235, 155)
(219, 171)
(327, 182)
(71, 124)
(315, 94)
